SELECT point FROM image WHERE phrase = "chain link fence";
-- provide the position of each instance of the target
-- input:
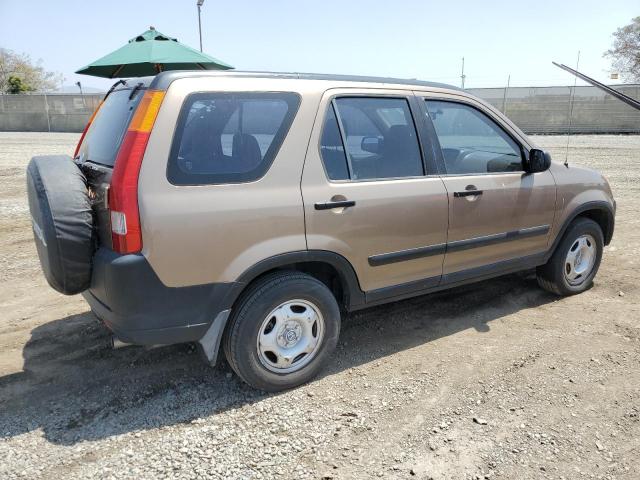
(533, 109)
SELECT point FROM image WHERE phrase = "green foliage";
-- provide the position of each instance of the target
(16, 85)
(625, 54)
(19, 74)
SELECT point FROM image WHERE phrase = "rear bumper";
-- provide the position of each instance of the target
(130, 299)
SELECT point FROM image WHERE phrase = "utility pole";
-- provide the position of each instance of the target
(462, 76)
(199, 3)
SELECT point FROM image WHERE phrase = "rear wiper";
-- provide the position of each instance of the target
(113, 87)
(135, 89)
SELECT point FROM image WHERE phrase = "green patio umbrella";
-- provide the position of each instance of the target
(148, 54)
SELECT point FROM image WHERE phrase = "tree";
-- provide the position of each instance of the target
(625, 54)
(16, 85)
(19, 74)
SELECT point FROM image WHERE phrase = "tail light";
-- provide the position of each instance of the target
(86, 127)
(126, 233)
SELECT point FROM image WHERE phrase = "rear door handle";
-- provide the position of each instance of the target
(337, 204)
(467, 193)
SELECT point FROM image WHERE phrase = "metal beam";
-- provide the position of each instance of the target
(632, 102)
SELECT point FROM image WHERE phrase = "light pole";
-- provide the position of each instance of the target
(200, 2)
(81, 94)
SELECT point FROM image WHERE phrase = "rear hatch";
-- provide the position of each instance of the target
(98, 149)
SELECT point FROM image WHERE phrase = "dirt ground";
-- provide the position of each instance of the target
(553, 383)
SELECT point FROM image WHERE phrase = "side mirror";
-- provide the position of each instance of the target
(371, 144)
(539, 161)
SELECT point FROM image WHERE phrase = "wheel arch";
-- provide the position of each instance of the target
(332, 269)
(600, 212)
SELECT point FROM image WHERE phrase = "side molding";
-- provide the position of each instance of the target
(467, 244)
(410, 254)
(458, 245)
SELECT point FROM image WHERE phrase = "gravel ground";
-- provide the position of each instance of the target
(494, 380)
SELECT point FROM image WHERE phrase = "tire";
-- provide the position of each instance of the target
(561, 275)
(62, 222)
(279, 308)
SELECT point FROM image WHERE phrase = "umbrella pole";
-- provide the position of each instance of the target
(115, 74)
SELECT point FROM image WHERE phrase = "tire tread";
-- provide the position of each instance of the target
(248, 299)
(550, 275)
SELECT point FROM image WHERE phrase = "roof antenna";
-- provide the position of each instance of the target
(571, 100)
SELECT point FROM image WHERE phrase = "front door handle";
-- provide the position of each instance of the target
(336, 204)
(467, 193)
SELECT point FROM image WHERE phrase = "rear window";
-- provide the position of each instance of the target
(229, 137)
(103, 139)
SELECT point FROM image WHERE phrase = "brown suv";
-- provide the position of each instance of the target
(249, 210)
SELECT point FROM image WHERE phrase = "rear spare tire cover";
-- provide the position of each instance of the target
(62, 221)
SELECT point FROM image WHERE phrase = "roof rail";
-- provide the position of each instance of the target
(164, 79)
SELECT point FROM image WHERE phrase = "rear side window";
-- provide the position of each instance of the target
(103, 139)
(366, 138)
(229, 137)
(332, 149)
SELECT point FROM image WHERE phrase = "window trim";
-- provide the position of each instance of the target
(330, 103)
(293, 101)
(343, 135)
(436, 141)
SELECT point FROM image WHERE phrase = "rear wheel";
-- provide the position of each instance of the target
(282, 332)
(573, 266)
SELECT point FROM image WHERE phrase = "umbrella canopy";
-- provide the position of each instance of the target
(148, 54)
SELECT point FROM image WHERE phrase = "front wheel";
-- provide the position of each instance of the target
(282, 332)
(573, 266)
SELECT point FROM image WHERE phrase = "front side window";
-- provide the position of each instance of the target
(471, 142)
(229, 137)
(370, 138)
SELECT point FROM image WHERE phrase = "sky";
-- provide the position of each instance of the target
(401, 38)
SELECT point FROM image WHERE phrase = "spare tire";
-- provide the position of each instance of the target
(62, 221)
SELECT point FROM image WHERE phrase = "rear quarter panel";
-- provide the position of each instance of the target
(212, 233)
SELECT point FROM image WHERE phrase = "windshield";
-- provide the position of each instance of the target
(103, 139)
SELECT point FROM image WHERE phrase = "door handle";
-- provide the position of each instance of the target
(336, 204)
(467, 193)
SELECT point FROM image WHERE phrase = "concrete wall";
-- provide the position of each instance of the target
(46, 113)
(533, 109)
(546, 109)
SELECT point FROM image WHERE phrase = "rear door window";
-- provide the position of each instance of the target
(103, 139)
(370, 138)
(332, 149)
(229, 137)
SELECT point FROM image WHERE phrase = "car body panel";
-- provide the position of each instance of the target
(518, 205)
(212, 233)
(580, 189)
(390, 215)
